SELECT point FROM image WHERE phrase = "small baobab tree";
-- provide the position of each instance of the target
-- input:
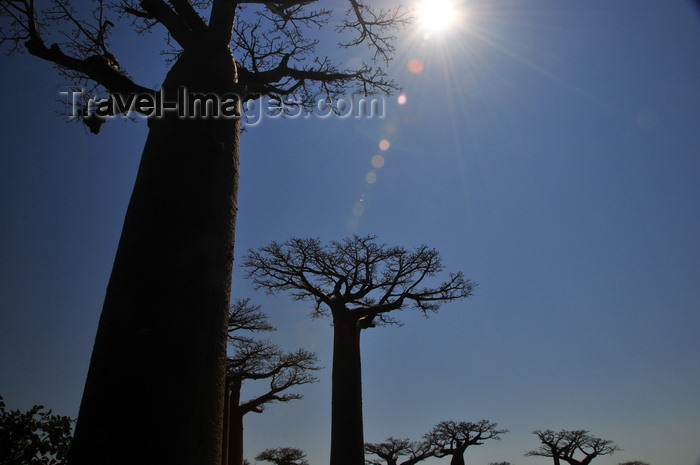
(283, 456)
(451, 438)
(358, 282)
(392, 449)
(257, 360)
(563, 445)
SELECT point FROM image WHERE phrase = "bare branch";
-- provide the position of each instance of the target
(376, 28)
(246, 317)
(356, 275)
(564, 444)
(392, 449)
(283, 456)
(453, 438)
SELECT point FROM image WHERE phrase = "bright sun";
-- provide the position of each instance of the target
(436, 15)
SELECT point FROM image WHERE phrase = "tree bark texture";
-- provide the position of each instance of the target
(347, 439)
(155, 386)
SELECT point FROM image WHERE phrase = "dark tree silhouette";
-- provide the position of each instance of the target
(500, 463)
(358, 282)
(283, 456)
(564, 444)
(257, 360)
(453, 438)
(634, 462)
(392, 449)
(154, 391)
(34, 437)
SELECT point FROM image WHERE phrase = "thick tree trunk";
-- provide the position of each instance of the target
(155, 387)
(347, 439)
(457, 459)
(235, 427)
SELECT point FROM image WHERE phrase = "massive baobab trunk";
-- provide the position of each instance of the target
(164, 315)
(347, 439)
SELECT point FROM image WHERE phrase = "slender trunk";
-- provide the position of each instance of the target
(235, 426)
(347, 440)
(155, 387)
(227, 422)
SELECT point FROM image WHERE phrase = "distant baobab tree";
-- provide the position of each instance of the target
(257, 360)
(155, 386)
(451, 438)
(392, 449)
(563, 445)
(283, 456)
(358, 282)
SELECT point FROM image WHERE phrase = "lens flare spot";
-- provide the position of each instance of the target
(415, 66)
(371, 177)
(389, 129)
(402, 99)
(377, 161)
(358, 209)
(384, 145)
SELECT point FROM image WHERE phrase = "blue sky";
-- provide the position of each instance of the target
(550, 150)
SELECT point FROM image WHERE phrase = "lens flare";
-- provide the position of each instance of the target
(377, 161)
(415, 66)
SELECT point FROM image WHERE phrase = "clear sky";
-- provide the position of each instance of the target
(550, 150)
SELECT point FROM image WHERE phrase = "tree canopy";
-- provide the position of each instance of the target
(392, 449)
(34, 437)
(565, 444)
(368, 278)
(283, 456)
(452, 438)
(274, 44)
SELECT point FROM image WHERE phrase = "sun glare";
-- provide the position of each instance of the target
(436, 15)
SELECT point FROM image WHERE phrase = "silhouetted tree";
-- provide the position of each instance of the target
(392, 449)
(257, 360)
(564, 444)
(634, 462)
(283, 456)
(160, 349)
(34, 437)
(500, 463)
(358, 282)
(453, 438)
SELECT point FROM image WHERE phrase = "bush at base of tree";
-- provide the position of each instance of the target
(34, 437)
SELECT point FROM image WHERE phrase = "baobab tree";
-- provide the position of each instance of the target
(283, 456)
(358, 282)
(453, 438)
(251, 360)
(392, 449)
(154, 391)
(562, 445)
(260, 360)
